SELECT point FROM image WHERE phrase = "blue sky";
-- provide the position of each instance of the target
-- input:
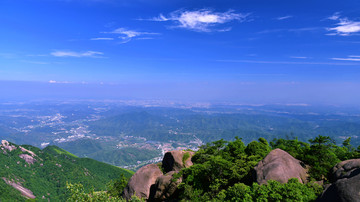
(244, 50)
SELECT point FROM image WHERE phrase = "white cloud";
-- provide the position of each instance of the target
(284, 17)
(289, 62)
(53, 81)
(344, 27)
(44, 144)
(76, 54)
(298, 57)
(335, 16)
(127, 35)
(160, 18)
(102, 39)
(201, 20)
(354, 58)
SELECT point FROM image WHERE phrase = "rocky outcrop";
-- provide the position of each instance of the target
(150, 183)
(28, 151)
(346, 183)
(5, 145)
(176, 160)
(280, 166)
(29, 159)
(140, 183)
(165, 187)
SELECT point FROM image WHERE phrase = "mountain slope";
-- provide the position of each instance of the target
(44, 173)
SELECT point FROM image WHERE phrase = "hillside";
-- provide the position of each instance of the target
(44, 173)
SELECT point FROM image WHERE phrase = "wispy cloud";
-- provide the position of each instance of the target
(67, 82)
(303, 29)
(354, 58)
(127, 35)
(344, 27)
(8, 55)
(299, 57)
(35, 62)
(76, 54)
(287, 62)
(204, 20)
(102, 39)
(284, 17)
(335, 16)
(53, 81)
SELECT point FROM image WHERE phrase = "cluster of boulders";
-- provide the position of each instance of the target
(346, 182)
(156, 183)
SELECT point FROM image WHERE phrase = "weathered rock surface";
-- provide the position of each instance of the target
(140, 183)
(346, 169)
(29, 159)
(343, 190)
(280, 166)
(174, 160)
(28, 151)
(25, 192)
(346, 186)
(6, 145)
(165, 187)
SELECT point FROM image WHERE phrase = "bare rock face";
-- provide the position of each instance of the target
(17, 185)
(346, 186)
(280, 166)
(29, 159)
(165, 187)
(140, 183)
(176, 160)
(28, 151)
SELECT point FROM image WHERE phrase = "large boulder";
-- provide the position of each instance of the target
(176, 160)
(140, 183)
(346, 169)
(280, 166)
(165, 187)
(346, 186)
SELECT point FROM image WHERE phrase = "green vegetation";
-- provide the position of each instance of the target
(125, 156)
(78, 193)
(321, 154)
(52, 169)
(116, 187)
(186, 156)
(7, 193)
(109, 153)
(272, 191)
(222, 170)
(155, 123)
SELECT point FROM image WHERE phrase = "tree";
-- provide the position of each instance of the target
(321, 157)
(116, 188)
